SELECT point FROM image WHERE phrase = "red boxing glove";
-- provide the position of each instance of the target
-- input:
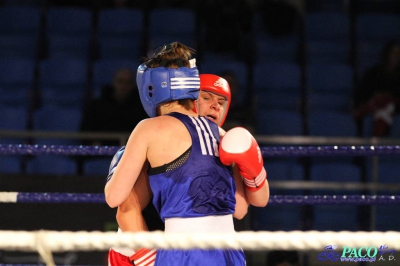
(239, 146)
(144, 257)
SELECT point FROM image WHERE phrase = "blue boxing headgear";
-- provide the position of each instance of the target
(162, 84)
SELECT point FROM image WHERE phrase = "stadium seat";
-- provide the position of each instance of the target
(13, 118)
(20, 21)
(63, 81)
(277, 86)
(327, 25)
(167, 25)
(10, 164)
(114, 48)
(327, 37)
(97, 166)
(276, 218)
(330, 77)
(22, 46)
(60, 46)
(56, 119)
(121, 33)
(23, 3)
(328, 52)
(277, 76)
(221, 65)
(279, 122)
(277, 49)
(48, 164)
(329, 102)
(69, 32)
(326, 5)
(395, 128)
(330, 87)
(19, 32)
(388, 167)
(284, 170)
(331, 217)
(380, 27)
(331, 124)
(273, 49)
(335, 172)
(69, 21)
(279, 217)
(16, 81)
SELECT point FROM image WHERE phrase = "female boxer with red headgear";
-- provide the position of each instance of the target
(214, 98)
(193, 213)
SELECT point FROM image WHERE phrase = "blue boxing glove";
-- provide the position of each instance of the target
(114, 162)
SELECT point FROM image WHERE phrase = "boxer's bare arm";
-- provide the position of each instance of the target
(129, 213)
(242, 203)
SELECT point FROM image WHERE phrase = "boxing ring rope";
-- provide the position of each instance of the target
(283, 151)
(46, 242)
(34, 197)
(101, 241)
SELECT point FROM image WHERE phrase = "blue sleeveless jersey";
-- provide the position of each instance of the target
(202, 185)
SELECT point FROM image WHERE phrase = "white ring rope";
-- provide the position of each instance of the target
(54, 241)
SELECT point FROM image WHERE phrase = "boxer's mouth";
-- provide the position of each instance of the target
(212, 118)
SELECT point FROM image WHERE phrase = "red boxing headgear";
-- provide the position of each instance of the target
(219, 86)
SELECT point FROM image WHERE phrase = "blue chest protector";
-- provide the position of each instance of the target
(197, 183)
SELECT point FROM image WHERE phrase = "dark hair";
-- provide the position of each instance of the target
(173, 55)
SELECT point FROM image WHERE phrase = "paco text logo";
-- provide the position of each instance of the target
(355, 254)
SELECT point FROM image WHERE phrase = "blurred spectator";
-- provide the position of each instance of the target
(283, 258)
(240, 113)
(379, 91)
(118, 109)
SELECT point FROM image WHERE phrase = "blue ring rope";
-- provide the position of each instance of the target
(283, 151)
(35, 197)
(23, 197)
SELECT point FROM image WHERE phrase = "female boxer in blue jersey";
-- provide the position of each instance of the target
(213, 103)
(191, 187)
